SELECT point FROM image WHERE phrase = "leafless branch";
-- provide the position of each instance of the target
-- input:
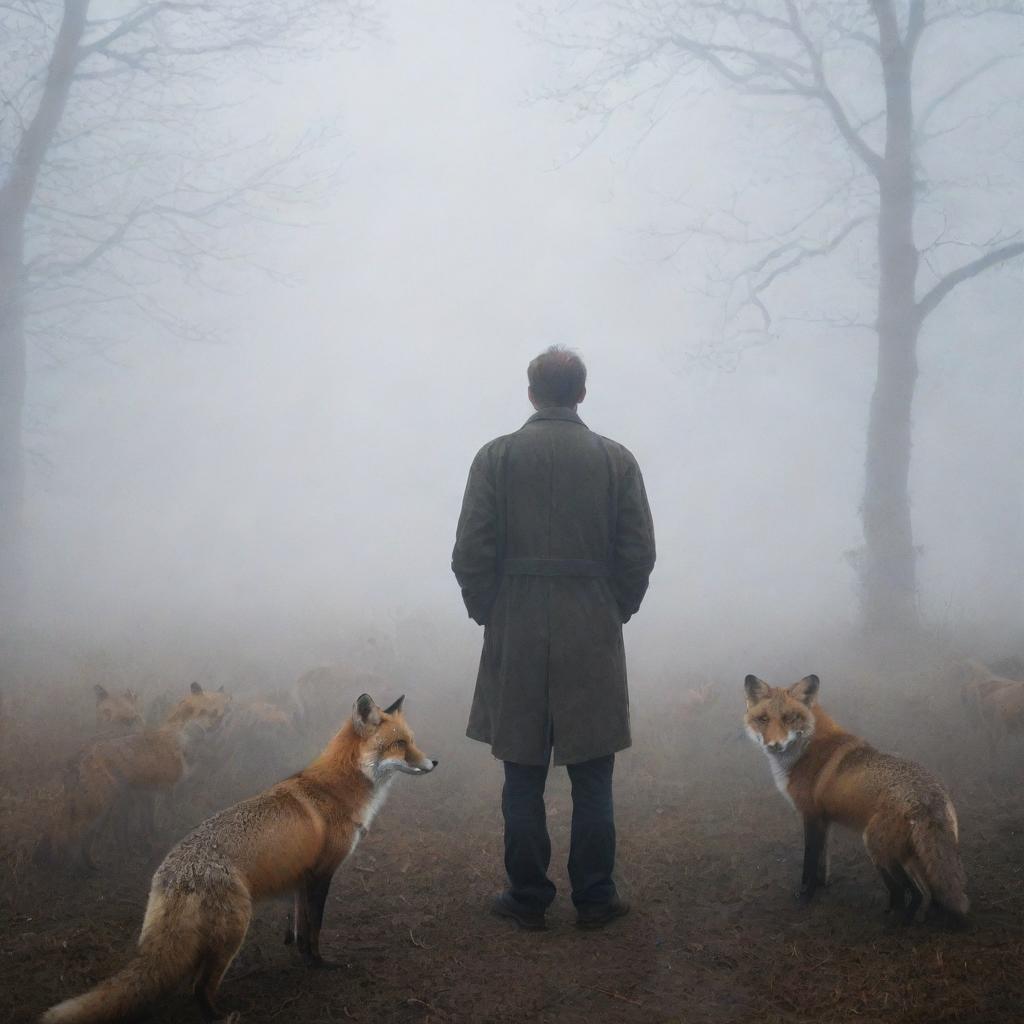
(957, 86)
(826, 95)
(964, 273)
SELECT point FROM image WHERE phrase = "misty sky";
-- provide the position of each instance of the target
(313, 459)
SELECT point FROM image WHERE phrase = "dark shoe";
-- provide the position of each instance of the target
(597, 915)
(530, 920)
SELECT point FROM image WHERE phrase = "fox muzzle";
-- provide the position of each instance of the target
(425, 766)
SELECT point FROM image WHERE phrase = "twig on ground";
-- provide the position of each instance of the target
(616, 995)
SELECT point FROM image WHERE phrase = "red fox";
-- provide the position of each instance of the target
(258, 716)
(290, 838)
(117, 713)
(996, 701)
(104, 772)
(697, 702)
(906, 818)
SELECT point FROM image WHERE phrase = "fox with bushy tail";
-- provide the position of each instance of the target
(905, 816)
(290, 838)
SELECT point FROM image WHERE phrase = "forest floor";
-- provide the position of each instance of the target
(709, 855)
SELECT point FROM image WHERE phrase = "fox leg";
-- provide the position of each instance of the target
(317, 889)
(84, 857)
(918, 889)
(294, 920)
(214, 965)
(823, 857)
(299, 928)
(904, 893)
(815, 835)
(126, 817)
(310, 898)
(143, 822)
(897, 890)
(290, 919)
(211, 973)
(302, 925)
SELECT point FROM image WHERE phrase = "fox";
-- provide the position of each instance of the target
(117, 713)
(205, 707)
(103, 772)
(906, 818)
(259, 715)
(289, 838)
(996, 701)
(698, 701)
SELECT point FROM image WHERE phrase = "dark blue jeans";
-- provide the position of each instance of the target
(592, 840)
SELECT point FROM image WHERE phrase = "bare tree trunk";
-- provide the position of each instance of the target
(889, 572)
(16, 196)
(12, 403)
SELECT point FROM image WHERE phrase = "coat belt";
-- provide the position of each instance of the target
(554, 567)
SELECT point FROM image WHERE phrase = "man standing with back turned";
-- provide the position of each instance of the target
(554, 549)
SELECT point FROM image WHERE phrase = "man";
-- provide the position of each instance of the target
(554, 549)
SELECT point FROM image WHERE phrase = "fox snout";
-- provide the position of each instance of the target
(419, 768)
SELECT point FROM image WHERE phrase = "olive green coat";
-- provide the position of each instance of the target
(553, 552)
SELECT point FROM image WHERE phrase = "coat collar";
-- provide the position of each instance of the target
(557, 413)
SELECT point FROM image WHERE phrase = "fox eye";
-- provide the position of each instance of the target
(763, 719)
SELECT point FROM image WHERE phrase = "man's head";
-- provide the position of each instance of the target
(558, 378)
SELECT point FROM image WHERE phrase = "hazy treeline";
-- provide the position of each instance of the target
(277, 484)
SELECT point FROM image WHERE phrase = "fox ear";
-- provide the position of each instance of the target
(196, 689)
(365, 714)
(806, 689)
(101, 693)
(757, 689)
(396, 707)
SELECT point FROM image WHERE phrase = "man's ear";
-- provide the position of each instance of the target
(583, 394)
(757, 690)
(805, 690)
(101, 693)
(365, 714)
(195, 689)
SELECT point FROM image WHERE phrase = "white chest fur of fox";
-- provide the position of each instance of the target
(291, 837)
(906, 817)
(369, 812)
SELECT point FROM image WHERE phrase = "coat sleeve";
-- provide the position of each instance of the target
(474, 559)
(634, 543)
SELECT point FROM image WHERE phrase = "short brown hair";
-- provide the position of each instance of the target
(557, 377)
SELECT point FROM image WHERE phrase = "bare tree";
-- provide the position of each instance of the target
(895, 88)
(119, 161)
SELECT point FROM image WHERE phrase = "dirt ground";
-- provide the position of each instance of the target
(709, 855)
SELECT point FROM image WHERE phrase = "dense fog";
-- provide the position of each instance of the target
(271, 275)
(292, 474)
